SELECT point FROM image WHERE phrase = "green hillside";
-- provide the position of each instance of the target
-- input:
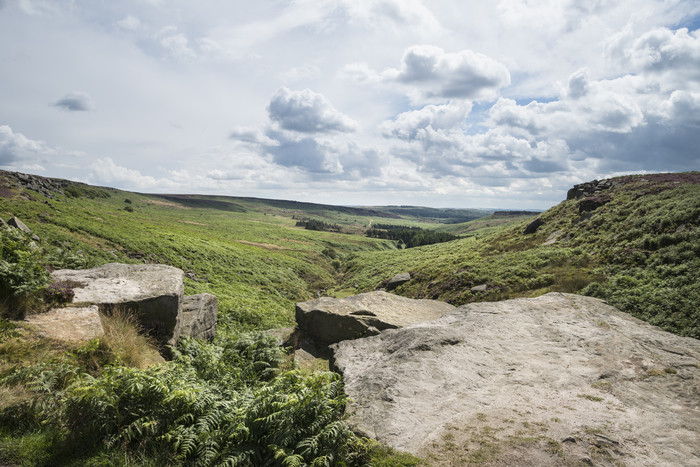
(640, 250)
(634, 241)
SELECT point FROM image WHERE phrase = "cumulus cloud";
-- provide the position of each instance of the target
(429, 72)
(578, 84)
(663, 50)
(75, 102)
(408, 125)
(16, 146)
(307, 112)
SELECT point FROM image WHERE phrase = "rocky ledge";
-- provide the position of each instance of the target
(557, 380)
(153, 292)
(328, 320)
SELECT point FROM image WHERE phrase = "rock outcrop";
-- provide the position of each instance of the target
(533, 226)
(199, 316)
(584, 190)
(48, 187)
(153, 292)
(328, 320)
(18, 224)
(398, 280)
(557, 380)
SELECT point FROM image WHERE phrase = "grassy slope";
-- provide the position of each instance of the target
(247, 253)
(640, 251)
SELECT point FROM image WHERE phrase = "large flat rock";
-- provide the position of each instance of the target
(328, 320)
(557, 380)
(154, 292)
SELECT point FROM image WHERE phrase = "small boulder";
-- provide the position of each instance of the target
(397, 280)
(480, 288)
(533, 226)
(199, 316)
(328, 320)
(15, 222)
(152, 291)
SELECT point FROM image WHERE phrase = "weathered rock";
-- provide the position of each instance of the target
(533, 226)
(327, 320)
(554, 237)
(397, 280)
(199, 316)
(15, 222)
(480, 288)
(589, 188)
(592, 203)
(559, 371)
(152, 291)
(68, 324)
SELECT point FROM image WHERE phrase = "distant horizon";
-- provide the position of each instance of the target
(358, 206)
(373, 102)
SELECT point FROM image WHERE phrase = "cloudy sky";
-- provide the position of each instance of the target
(444, 103)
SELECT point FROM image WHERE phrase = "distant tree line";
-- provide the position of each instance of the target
(409, 237)
(394, 227)
(313, 224)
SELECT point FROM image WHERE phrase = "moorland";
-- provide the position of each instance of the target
(239, 400)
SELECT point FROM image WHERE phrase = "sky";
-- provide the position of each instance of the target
(441, 103)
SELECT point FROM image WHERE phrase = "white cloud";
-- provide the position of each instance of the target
(307, 112)
(75, 102)
(578, 84)
(402, 13)
(249, 134)
(663, 50)
(17, 147)
(106, 171)
(407, 125)
(176, 43)
(429, 72)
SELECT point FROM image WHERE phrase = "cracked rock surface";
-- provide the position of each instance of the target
(560, 379)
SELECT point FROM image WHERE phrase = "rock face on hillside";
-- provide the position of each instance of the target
(587, 189)
(328, 320)
(153, 291)
(199, 316)
(555, 380)
(48, 187)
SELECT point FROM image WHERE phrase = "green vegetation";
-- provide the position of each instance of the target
(313, 224)
(239, 399)
(22, 272)
(640, 252)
